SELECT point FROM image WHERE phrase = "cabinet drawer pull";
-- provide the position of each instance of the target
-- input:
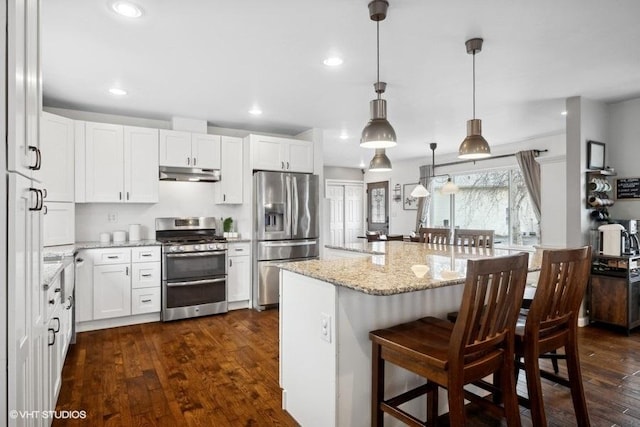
(195, 161)
(238, 249)
(57, 329)
(53, 334)
(113, 256)
(126, 271)
(146, 275)
(188, 161)
(147, 254)
(146, 300)
(38, 163)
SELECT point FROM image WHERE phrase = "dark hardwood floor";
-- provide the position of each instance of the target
(223, 371)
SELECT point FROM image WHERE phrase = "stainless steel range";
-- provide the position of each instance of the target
(194, 267)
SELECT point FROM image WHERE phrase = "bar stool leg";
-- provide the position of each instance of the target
(456, 404)
(534, 388)
(432, 406)
(575, 380)
(377, 386)
(509, 396)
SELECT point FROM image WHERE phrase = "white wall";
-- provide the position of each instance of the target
(348, 174)
(623, 151)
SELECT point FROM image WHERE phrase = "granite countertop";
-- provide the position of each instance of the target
(238, 240)
(100, 245)
(51, 270)
(396, 267)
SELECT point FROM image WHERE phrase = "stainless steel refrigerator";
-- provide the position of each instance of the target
(285, 228)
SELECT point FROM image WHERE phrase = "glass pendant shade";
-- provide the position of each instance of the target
(420, 191)
(474, 145)
(380, 162)
(449, 187)
(378, 133)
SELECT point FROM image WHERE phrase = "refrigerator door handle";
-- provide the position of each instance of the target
(295, 206)
(287, 210)
(285, 244)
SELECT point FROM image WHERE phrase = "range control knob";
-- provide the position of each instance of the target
(173, 248)
(181, 248)
(196, 247)
(212, 246)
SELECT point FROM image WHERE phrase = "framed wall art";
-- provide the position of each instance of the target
(409, 203)
(595, 155)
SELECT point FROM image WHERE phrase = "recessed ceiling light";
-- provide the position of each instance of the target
(127, 9)
(332, 61)
(117, 92)
(344, 135)
(255, 111)
(564, 113)
(361, 164)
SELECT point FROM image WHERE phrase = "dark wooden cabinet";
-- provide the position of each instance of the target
(615, 291)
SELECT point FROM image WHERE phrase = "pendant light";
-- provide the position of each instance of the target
(380, 162)
(421, 190)
(474, 145)
(378, 133)
(449, 187)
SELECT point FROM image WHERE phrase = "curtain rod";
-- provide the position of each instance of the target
(459, 162)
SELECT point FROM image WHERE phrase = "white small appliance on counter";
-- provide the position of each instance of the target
(612, 239)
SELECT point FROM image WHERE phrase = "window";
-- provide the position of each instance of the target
(494, 200)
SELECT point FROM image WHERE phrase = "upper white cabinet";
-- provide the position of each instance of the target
(230, 186)
(24, 86)
(58, 226)
(185, 149)
(281, 154)
(57, 147)
(120, 164)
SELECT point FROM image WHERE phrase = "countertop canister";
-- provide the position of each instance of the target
(134, 232)
(119, 236)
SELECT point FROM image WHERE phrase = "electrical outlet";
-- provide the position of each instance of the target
(112, 217)
(325, 327)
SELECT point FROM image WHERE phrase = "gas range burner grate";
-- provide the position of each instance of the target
(187, 240)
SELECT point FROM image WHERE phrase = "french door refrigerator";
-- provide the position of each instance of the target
(285, 228)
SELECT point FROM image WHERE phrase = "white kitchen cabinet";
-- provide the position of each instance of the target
(239, 274)
(58, 223)
(116, 283)
(140, 165)
(57, 146)
(104, 162)
(281, 154)
(232, 171)
(111, 291)
(185, 149)
(118, 164)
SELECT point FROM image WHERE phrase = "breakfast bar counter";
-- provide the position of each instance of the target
(328, 307)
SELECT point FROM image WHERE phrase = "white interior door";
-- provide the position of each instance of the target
(346, 204)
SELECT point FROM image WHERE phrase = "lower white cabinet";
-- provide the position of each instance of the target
(239, 273)
(111, 291)
(116, 283)
(59, 224)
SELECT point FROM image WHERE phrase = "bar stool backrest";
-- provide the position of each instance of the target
(474, 238)
(438, 236)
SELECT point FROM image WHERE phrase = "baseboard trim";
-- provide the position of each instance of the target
(94, 325)
(583, 321)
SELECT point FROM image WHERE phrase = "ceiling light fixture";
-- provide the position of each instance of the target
(333, 61)
(448, 188)
(380, 162)
(378, 133)
(255, 111)
(344, 135)
(564, 113)
(127, 9)
(118, 92)
(474, 145)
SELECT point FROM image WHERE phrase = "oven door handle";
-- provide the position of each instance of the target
(196, 254)
(197, 282)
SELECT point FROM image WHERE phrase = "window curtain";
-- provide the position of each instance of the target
(531, 173)
(422, 215)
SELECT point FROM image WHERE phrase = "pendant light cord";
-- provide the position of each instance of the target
(474, 84)
(378, 55)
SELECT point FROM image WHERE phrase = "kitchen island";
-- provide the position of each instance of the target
(328, 307)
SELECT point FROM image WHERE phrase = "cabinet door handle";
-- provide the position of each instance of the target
(126, 271)
(230, 262)
(127, 195)
(53, 334)
(146, 275)
(39, 200)
(146, 300)
(195, 161)
(287, 165)
(46, 209)
(57, 329)
(70, 299)
(224, 197)
(38, 163)
(282, 163)
(120, 195)
(188, 161)
(44, 193)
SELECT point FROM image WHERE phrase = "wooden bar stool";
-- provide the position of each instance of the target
(473, 238)
(551, 323)
(449, 355)
(439, 236)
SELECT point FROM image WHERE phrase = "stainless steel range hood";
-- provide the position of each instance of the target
(170, 173)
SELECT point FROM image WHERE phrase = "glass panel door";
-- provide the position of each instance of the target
(378, 207)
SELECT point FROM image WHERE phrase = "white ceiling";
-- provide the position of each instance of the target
(214, 60)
